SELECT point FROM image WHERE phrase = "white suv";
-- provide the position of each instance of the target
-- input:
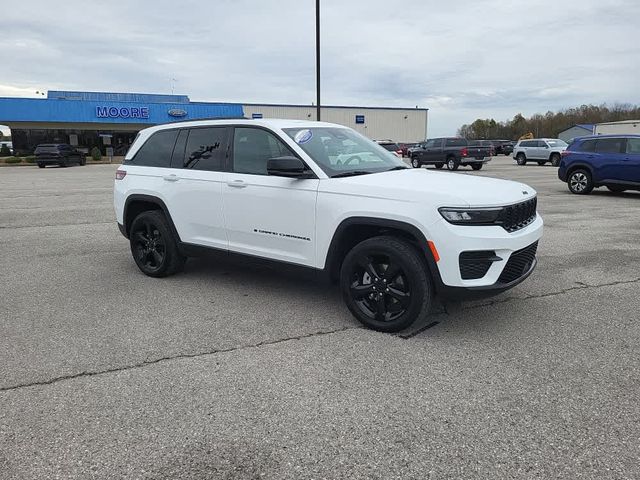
(540, 150)
(325, 197)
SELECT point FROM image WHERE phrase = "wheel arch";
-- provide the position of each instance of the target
(580, 165)
(354, 230)
(136, 203)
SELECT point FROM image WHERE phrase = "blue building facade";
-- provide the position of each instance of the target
(109, 121)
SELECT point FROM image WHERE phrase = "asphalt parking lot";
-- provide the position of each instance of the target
(239, 371)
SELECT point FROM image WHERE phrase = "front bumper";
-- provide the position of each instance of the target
(452, 240)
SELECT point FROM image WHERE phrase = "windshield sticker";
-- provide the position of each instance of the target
(303, 136)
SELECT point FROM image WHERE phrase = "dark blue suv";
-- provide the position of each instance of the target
(611, 161)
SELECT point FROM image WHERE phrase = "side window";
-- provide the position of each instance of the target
(157, 150)
(633, 146)
(541, 144)
(588, 146)
(430, 144)
(610, 145)
(253, 147)
(206, 149)
(455, 142)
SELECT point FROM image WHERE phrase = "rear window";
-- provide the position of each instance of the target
(455, 142)
(157, 150)
(588, 146)
(46, 149)
(610, 145)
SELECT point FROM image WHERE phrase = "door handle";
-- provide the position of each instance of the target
(237, 184)
(171, 178)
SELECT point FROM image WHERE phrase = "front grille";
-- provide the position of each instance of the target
(515, 217)
(474, 265)
(519, 263)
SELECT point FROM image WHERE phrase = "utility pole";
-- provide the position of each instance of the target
(318, 60)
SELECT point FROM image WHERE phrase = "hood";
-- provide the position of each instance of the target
(441, 188)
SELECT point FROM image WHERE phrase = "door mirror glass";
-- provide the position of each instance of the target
(287, 167)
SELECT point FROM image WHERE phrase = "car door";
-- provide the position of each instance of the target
(632, 159)
(423, 149)
(610, 160)
(527, 147)
(433, 151)
(194, 185)
(265, 215)
(540, 150)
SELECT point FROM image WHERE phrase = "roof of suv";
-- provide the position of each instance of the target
(610, 135)
(265, 122)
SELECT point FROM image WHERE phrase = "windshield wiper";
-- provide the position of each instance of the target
(351, 173)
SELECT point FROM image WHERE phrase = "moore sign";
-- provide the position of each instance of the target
(122, 112)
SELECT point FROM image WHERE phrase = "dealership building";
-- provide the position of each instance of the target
(110, 121)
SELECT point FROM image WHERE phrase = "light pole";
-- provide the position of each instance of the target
(318, 60)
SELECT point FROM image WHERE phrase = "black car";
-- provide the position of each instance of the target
(61, 154)
(504, 147)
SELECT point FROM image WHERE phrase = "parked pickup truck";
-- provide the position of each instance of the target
(452, 152)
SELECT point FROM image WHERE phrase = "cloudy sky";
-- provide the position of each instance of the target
(462, 59)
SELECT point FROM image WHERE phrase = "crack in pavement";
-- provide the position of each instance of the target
(407, 336)
(179, 356)
(581, 286)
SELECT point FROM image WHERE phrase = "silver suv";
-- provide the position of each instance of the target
(541, 150)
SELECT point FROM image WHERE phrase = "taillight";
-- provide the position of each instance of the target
(565, 153)
(464, 152)
(120, 174)
(399, 152)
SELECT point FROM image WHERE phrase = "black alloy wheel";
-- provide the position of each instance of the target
(476, 166)
(153, 246)
(439, 165)
(41, 165)
(521, 159)
(555, 159)
(385, 284)
(616, 188)
(541, 162)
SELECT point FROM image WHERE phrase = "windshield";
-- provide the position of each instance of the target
(341, 150)
(556, 143)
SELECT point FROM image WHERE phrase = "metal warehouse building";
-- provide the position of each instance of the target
(110, 121)
(622, 127)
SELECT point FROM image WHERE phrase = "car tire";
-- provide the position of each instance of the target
(415, 163)
(580, 182)
(477, 166)
(387, 301)
(41, 165)
(452, 164)
(541, 162)
(555, 159)
(439, 165)
(521, 159)
(616, 188)
(153, 245)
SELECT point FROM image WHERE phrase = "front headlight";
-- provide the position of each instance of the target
(471, 216)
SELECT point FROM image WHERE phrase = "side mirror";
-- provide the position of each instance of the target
(291, 167)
